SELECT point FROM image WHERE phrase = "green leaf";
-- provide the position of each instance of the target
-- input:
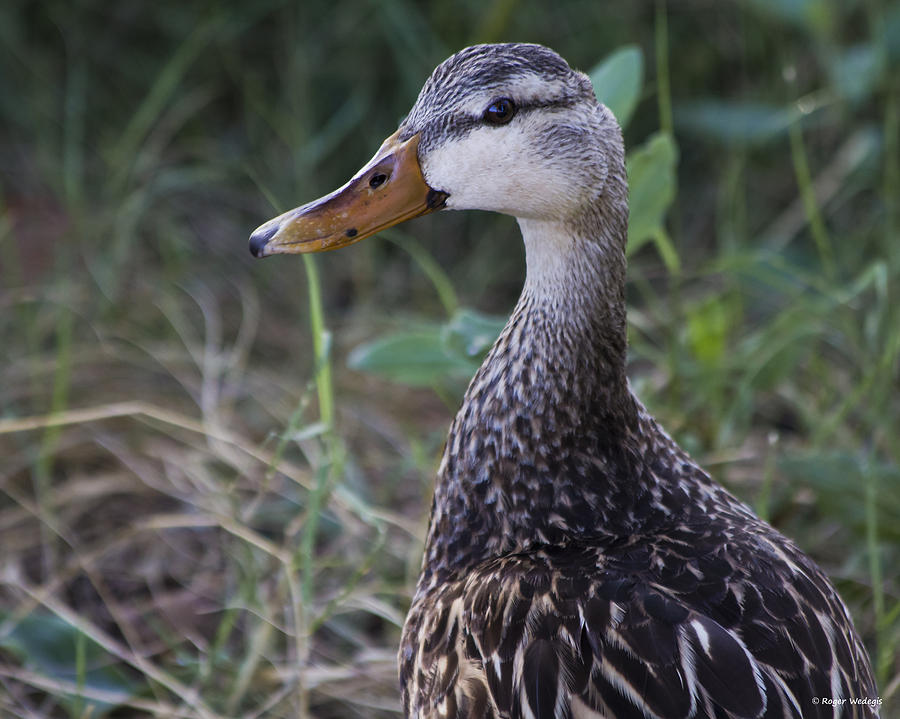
(652, 184)
(666, 250)
(707, 329)
(419, 358)
(471, 333)
(891, 31)
(617, 81)
(50, 646)
(855, 71)
(812, 15)
(432, 355)
(734, 123)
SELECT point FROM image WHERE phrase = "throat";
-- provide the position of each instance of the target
(540, 451)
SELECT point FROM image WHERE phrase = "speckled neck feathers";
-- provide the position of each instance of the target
(538, 454)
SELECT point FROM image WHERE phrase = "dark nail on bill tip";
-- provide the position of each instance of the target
(259, 240)
(352, 232)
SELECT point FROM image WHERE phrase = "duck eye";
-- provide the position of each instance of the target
(500, 111)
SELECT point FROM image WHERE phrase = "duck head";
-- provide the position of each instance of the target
(509, 128)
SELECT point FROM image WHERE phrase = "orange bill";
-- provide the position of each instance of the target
(388, 190)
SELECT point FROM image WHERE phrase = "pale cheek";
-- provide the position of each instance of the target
(496, 169)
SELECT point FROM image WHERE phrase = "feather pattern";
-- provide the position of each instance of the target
(579, 564)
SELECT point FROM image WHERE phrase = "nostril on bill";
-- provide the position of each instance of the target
(260, 238)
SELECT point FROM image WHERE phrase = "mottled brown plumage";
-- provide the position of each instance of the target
(578, 562)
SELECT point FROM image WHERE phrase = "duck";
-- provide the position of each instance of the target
(578, 563)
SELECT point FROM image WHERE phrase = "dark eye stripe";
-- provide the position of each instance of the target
(451, 126)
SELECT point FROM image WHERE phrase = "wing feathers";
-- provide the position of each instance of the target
(540, 678)
(523, 644)
(724, 669)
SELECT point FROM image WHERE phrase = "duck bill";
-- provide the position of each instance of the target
(390, 189)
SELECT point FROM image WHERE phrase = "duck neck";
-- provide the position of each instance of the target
(539, 453)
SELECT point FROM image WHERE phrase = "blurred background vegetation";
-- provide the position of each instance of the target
(216, 472)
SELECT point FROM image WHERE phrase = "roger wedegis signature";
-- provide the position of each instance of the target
(842, 701)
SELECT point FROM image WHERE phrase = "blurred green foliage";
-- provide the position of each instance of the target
(56, 649)
(242, 540)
